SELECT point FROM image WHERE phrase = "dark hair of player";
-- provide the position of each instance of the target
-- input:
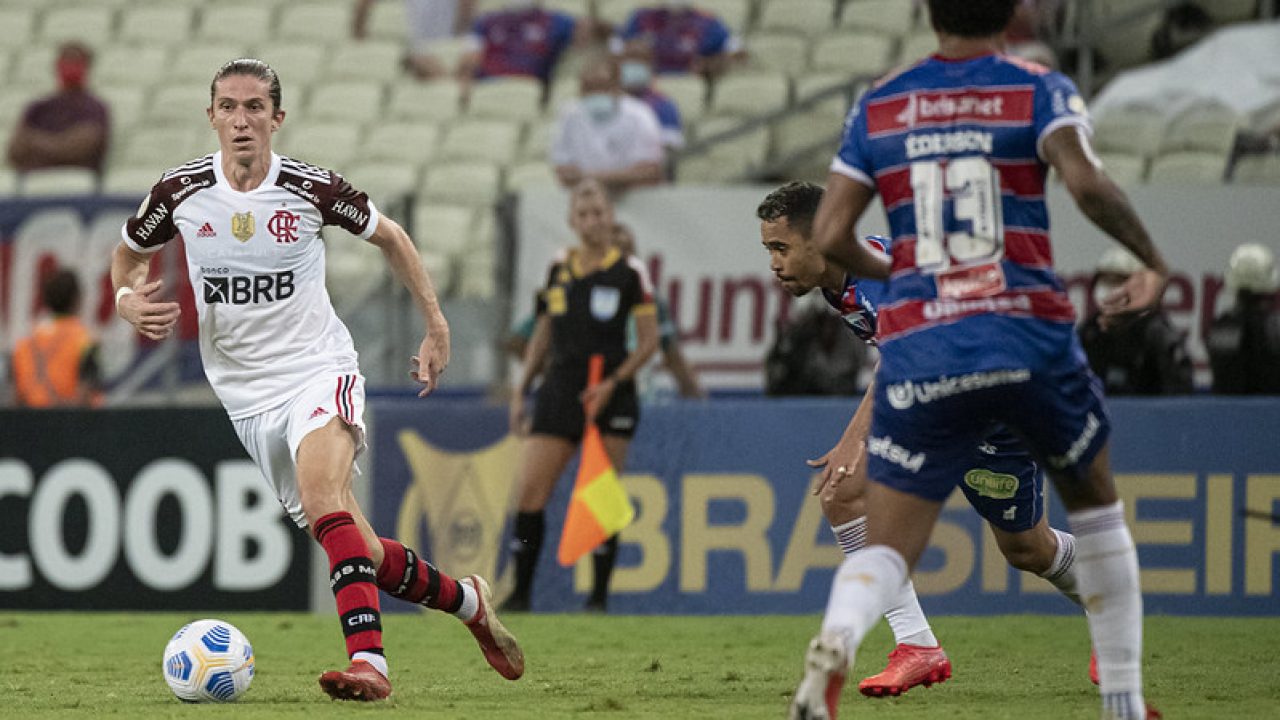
(61, 292)
(971, 18)
(252, 68)
(797, 201)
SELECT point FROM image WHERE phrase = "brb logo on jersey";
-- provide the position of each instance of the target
(248, 289)
(284, 226)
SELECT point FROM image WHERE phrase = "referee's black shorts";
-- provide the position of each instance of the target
(558, 411)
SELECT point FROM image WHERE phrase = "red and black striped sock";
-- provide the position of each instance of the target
(408, 577)
(353, 581)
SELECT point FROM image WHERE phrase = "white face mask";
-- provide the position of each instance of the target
(1101, 291)
(635, 75)
(600, 106)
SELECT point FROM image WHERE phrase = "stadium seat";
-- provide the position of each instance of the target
(8, 182)
(463, 183)
(1188, 168)
(33, 65)
(130, 181)
(476, 276)
(19, 23)
(387, 21)
(734, 13)
(1131, 129)
(506, 98)
(1126, 169)
(917, 46)
(858, 54)
(371, 61)
(891, 17)
(449, 52)
(750, 94)
(493, 141)
(1257, 170)
(1230, 11)
(238, 23)
(131, 64)
(317, 20)
(158, 147)
(616, 12)
(563, 92)
(355, 271)
(529, 174)
(707, 169)
(1208, 127)
(59, 181)
(778, 52)
(184, 103)
(14, 100)
(298, 64)
(442, 229)
(93, 25)
(436, 101)
(815, 130)
(356, 102)
(414, 142)
(127, 104)
(144, 26)
(809, 17)
(387, 182)
(200, 62)
(537, 140)
(579, 9)
(752, 147)
(327, 144)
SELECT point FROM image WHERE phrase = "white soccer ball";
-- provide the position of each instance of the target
(208, 661)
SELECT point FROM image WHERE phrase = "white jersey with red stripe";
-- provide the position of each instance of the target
(257, 265)
(954, 147)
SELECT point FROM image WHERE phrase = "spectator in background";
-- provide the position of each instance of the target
(1244, 342)
(57, 365)
(1143, 355)
(522, 40)
(814, 354)
(1025, 35)
(1183, 25)
(635, 70)
(607, 135)
(680, 38)
(427, 22)
(69, 128)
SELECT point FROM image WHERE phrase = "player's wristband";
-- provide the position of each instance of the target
(124, 290)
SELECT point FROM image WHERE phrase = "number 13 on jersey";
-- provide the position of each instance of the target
(974, 186)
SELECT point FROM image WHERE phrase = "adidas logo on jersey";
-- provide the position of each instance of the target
(317, 413)
(206, 231)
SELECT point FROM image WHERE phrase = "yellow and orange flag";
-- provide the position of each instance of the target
(600, 506)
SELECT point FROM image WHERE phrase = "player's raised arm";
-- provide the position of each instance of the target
(1105, 204)
(402, 256)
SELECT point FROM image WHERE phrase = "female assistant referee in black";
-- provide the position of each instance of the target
(591, 292)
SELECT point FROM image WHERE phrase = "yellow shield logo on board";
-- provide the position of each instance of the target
(242, 226)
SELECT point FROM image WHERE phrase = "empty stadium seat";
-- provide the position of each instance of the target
(750, 94)
(562, 93)
(179, 103)
(239, 23)
(316, 20)
(144, 26)
(736, 14)
(370, 61)
(130, 181)
(327, 144)
(8, 182)
(443, 229)
(93, 25)
(1208, 127)
(355, 102)
(1131, 129)
(810, 17)
(297, 64)
(529, 174)
(463, 183)
(779, 52)
(752, 147)
(1257, 170)
(1124, 168)
(387, 182)
(1188, 168)
(437, 101)
(387, 21)
(476, 276)
(59, 181)
(33, 65)
(579, 9)
(198, 63)
(891, 17)
(858, 54)
(616, 12)
(1229, 11)
(131, 64)
(506, 98)
(917, 46)
(158, 147)
(19, 25)
(415, 142)
(127, 104)
(537, 140)
(488, 140)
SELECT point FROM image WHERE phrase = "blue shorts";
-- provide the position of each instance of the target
(1002, 482)
(923, 431)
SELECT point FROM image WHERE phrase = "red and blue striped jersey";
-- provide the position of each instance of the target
(954, 147)
(678, 36)
(522, 42)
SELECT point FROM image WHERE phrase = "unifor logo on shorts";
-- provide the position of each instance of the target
(991, 484)
(604, 302)
(905, 394)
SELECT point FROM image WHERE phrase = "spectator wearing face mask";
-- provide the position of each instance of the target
(1244, 342)
(607, 135)
(69, 128)
(1143, 355)
(680, 38)
(635, 70)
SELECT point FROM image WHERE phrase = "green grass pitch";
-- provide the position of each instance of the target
(88, 665)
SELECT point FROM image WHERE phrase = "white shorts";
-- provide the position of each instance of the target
(272, 438)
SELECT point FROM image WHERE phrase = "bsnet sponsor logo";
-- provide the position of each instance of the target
(905, 394)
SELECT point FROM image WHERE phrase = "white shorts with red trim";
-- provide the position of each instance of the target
(272, 438)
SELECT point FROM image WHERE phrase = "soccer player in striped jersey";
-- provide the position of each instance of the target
(284, 365)
(975, 328)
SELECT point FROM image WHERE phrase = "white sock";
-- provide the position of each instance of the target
(466, 612)
(910, 627)
(379, 662)
(863, 587)
(1062, 573)
(1107, 568)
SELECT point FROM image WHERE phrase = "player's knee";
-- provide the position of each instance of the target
(1028, 556)
(839, 509)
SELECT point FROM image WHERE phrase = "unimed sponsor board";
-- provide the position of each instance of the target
(726, 522)
(140, 509)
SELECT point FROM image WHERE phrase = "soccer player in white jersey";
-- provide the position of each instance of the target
(281, 361)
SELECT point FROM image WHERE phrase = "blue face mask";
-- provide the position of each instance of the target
(600, 106)
(635, 75)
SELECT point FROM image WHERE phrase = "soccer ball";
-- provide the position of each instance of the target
(208, 661)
